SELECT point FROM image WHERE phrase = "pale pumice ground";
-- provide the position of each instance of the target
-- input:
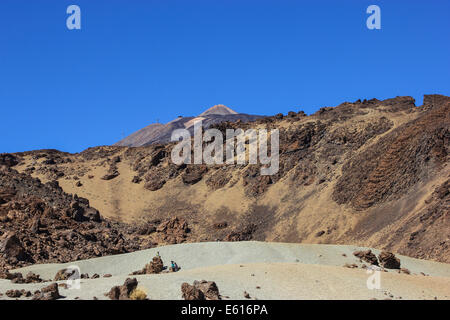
(280, 270)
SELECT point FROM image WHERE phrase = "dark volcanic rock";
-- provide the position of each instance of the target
(154, 182)
(194, 173)
(42, 224)
(114, 293)
(356, 154)
(92, 214)
(242, 235)
(13, 293)
(389, 260)
(396, 162)
(154, 266)
(50, 292)
(6, 195)
(158, 133)
(112, 172)
(190, 292)
(110, 175)
(33, 278)
(367, 256)
(11, 248)
(218, 179)
(172, 231)
(200, 290)
(220, 225)
(123, 292)
(63, 274)
(136, 179)
(17, 277)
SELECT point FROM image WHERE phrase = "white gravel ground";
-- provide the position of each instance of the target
(281, 270)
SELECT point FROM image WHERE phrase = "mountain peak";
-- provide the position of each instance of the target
(161, 133)
(218, 109)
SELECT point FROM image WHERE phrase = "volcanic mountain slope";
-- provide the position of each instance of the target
(40, 223)
(161, 133)
(369, 173)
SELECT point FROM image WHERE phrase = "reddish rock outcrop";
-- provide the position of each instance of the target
(112, 173)
(154, 266)
(17, 277)
(8, 160)
(200, 290)
(194, 173)
(375, 158)
(172, 231)
(12, 249)
(42, 224)
(13, 293)
(367, 256)
(50, 292)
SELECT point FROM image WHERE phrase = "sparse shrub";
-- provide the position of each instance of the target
(138, 294)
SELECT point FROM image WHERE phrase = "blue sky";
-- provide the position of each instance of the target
(136, 62)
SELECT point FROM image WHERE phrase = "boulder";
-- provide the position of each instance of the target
(33, 278)
(190, 292)
(92, 214)
(116, 159)
(110, 175)
(200, 290)
(13, 293)
(50, 292)
(123, 292)
(388, 260)
(220, 225)
(11, 248)
(136, 179)
(173, 230)
(367, 256)
(6, 195)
